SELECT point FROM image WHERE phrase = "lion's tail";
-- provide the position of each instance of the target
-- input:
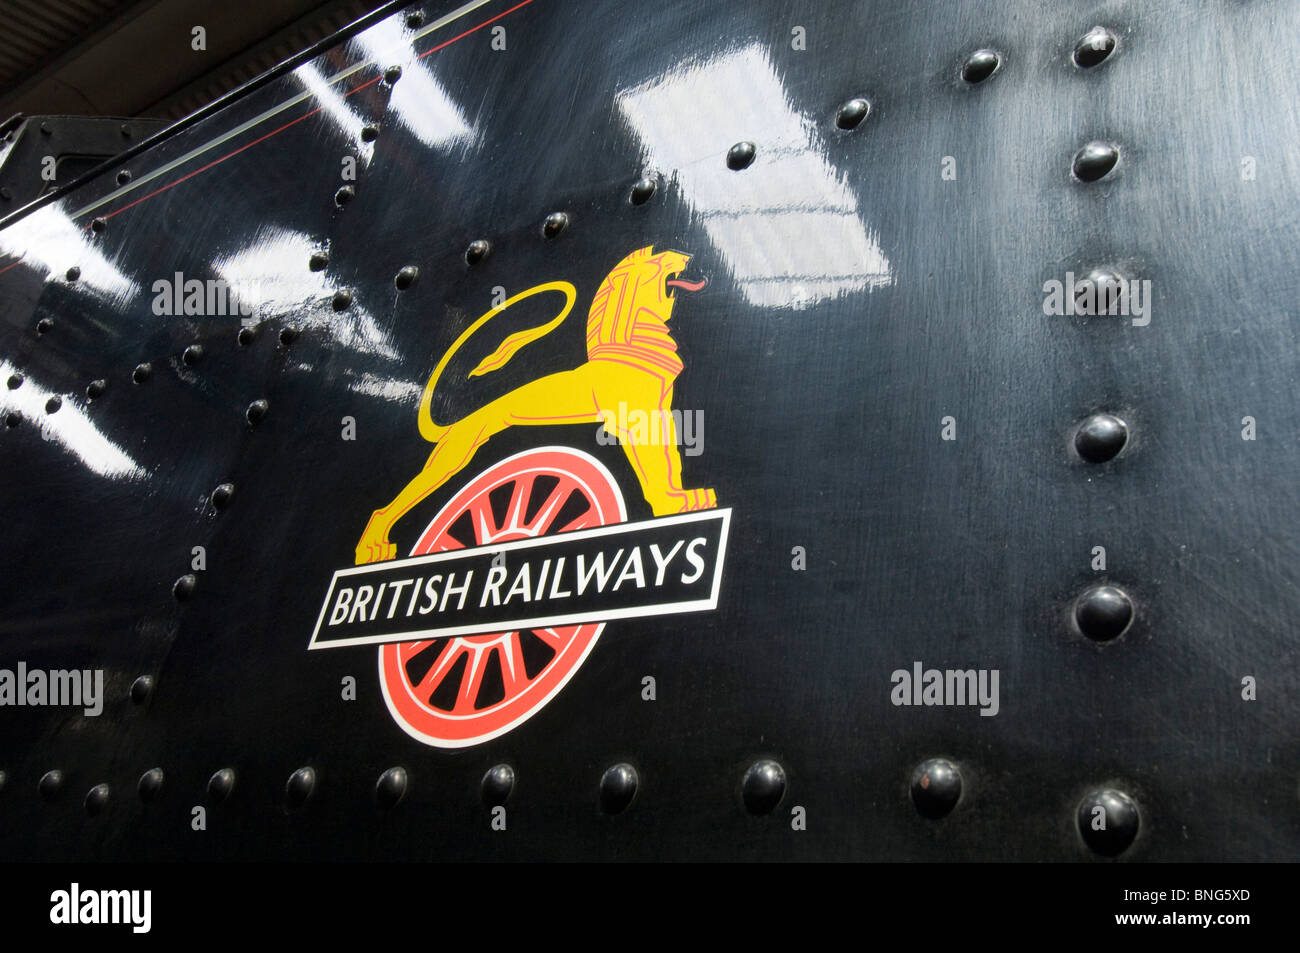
(498, 359)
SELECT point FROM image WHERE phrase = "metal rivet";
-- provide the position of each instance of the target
(141, 689)
(1094, 160)
(852, 113)
(124, 177)
(11, 419)
(98, 224)
(643, 190)
(344, 195)
(318, 261)
(45, 129)
(980, 65)
(740, 156)
(15, 381)
(150, 785)
(221, 784)
(44, 325)
(415, 20)
(141, 373)
(617, 788)
(51, 784)
(763, 787)
(1109, 821)
(406, 277)
(477, 251)
(183, 587)
(392, 74)
(1103, 613)
(73, 273)
(497, 785)
(555, 223)
(192, 354)
(288, 335)
(6, 193)
(1107, 289)
(369, 133)
(298, 789)
(1097, 44)
(96, 800)
(342, 299)
(1100, 437)
(53, 404)
(246, 336)
(126, 130)
(391, 788)
(222, 495)
(936, 786)
(256, 411)
(96, 388)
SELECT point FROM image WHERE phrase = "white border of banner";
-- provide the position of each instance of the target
(591, 615)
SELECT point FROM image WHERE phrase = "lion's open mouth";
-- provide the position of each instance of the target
(684, 284)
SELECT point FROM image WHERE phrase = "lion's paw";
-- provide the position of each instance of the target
(375, 551)
(702, 499)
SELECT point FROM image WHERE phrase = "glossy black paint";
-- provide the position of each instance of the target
(76, 144)
(857, 297)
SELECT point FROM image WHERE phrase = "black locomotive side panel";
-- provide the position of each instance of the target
(707, 431)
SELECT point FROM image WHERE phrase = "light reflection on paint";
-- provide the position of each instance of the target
(387, 388)
(49, 240)
(419, 101)
(333, 104)
(273, 269)
(787, 227)
(68, 426)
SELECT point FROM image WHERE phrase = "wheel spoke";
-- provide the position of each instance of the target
(541, 520)
(484, 525)
(588, 520)
(552, 638)
(438, 670)
(472, 680)
(409, 650)
(513, 671)
(523, 492)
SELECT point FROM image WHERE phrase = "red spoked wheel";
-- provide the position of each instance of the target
(463, 690)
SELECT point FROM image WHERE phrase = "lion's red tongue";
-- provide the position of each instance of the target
(687, 285)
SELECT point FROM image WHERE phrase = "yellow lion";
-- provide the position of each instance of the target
(631, 359)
